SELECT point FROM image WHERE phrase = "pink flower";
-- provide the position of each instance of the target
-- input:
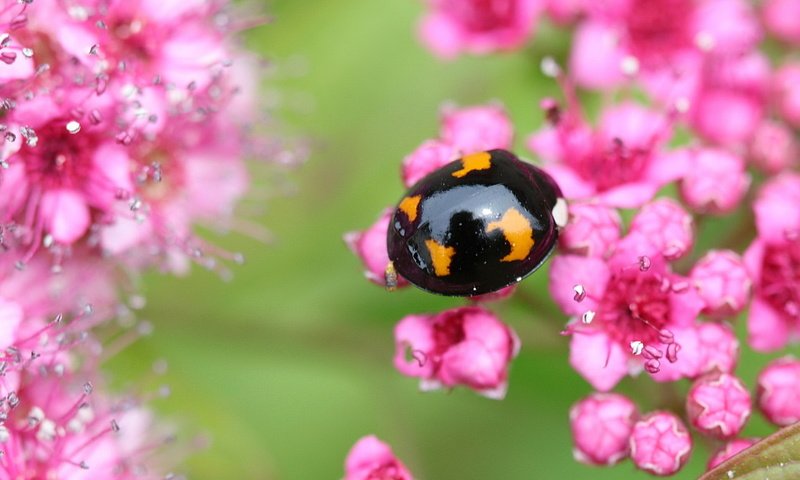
(729, 450)
(717, 181)
(635, 313)
(592, 230)
(722, 281)
(786, 93)
(778, 392)
(619, 164)
(477, 26)
(773, 262)
(660, 444)
(370, 247)
(774, 147)
(657, 37)
(717, 348)
(601, 426)
(667, 226)
(718, 405)
(474, 129)
(730, 98)
(371, 459)
(782, 19)
(464, 346)
(430, 156)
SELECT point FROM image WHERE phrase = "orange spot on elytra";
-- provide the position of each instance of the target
(409, 206)
(518, 232)
(440, 256)
(475, 161)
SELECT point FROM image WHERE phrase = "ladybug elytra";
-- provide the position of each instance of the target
(476, 225)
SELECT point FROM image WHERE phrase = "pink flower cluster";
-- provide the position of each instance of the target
(642, 300)
(122, 127)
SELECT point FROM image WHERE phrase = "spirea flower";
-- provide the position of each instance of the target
(718, 405)
(620, 163)
(716, 183)
(371, 459)
(773, 262)
(601, 428)
(370, 247)
(778, 393)
(636, 314)
(722, 281)
(781, 19)
(464, 346)
(660, 443)
(477, 26)
(128, 120)
(592, 230)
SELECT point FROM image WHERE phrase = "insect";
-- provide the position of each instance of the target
(474, 226)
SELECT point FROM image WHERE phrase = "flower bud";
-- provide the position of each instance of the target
(722, 281)
(660, 443)
(716, 183)
(474, 129)
(372, 459)
(730, 449)
(370, 246)
(601, 426)
(778, 392)
(667, 226)
(718, 405)
(591, 231)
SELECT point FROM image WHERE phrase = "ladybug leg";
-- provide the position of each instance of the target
(560, 212)
(390, 277)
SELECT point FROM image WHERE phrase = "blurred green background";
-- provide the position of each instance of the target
(286, 366)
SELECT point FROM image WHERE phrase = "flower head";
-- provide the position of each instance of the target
(464, 346)
(477, 26)
(371, 459)
(601, 427)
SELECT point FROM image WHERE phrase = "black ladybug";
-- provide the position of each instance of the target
(476, 225)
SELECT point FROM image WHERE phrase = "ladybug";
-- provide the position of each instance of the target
(474, 226)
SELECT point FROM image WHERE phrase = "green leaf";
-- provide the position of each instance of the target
(777, 457)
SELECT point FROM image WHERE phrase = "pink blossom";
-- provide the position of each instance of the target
(729, 450)
(660, 443)
(601, 426)
(477, 26)
(563, 12)
(721, 279)
(718, 348)
(657, 38)
(430, 156)
(774, 147)
(730, 98)
(773, 262)
(619, 164)
(717, 181)
(636, 313)
(786, 93)
(370, 246)
(782, 19)
(370, 459)
(778, 393)
(463, 346)
(718, 405)
(667, 226)
(474, 129)
(592, 230)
